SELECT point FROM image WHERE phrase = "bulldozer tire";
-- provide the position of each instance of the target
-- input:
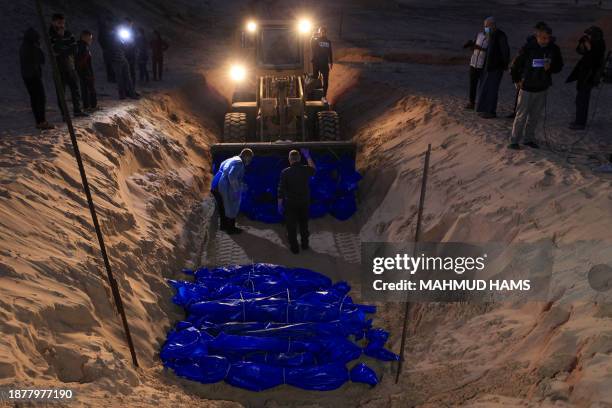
(328, 124)
(235, 127)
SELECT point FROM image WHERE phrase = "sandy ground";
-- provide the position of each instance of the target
(398, 87)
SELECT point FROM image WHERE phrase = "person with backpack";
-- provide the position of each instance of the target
(587, 72)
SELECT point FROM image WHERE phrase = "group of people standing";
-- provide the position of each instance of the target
(531, 72)
(123, 50)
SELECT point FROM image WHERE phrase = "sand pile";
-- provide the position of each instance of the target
(546, 352)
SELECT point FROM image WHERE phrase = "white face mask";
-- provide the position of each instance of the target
(487, 30)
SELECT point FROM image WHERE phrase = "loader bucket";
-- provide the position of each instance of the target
(332, 188)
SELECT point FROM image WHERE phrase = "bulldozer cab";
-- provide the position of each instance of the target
(278, 47)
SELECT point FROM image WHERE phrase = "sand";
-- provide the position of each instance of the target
(398, 88)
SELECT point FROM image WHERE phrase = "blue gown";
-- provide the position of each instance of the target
(228, 181)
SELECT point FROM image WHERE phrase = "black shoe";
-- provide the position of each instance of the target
(487, 115)
(514, 146)
(576, 126)
(295, 250)
(305, 246)
(533, 145)
(234, 231)
(80, 114)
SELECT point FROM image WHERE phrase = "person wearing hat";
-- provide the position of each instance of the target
(587, 72)
(532, 72)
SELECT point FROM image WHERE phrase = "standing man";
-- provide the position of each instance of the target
(294, 197)
(587, 72)
(158, 47)
(31, 59)
(496, 62)
(121, 66)
(322, 61)
(130, 50)
(532, 72)
(142, 46)
(105, 39)
(479, 53)
(227, 187)
(64, 50)
(85, 70)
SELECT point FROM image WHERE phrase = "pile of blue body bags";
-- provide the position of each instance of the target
(332, 188)
(259, 326)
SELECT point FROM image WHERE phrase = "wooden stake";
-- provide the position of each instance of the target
(59, 86)
(417, 236)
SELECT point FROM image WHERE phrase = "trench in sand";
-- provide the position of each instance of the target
(387, 201)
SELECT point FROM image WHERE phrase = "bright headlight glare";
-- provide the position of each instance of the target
(305, 26)
(251, 26)
(237, 72)
(124, 34)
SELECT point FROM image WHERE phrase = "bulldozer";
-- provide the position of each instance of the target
(275, 102)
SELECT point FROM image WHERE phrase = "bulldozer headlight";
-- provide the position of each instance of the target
(237, 73)
(304, 26)
(251, 26)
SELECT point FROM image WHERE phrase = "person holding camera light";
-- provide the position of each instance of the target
(123, 36)
(587, 72)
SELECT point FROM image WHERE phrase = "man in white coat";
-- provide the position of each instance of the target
(227, 187)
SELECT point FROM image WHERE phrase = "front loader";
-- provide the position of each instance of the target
(276, 105)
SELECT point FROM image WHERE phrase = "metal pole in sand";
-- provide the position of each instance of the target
(59, 86)
(417, 236)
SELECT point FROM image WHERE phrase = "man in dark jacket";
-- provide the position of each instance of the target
(105, 40)
(294, 197)
(496, 62)
(31, 59)
(587, 72)
(142, 44)
(130, 50)
(158, 47)
(322, 59)
(64, 50)
(85, 70)
(532, 72)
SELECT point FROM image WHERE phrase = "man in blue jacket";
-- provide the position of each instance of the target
(532, 72)
(227, 187)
